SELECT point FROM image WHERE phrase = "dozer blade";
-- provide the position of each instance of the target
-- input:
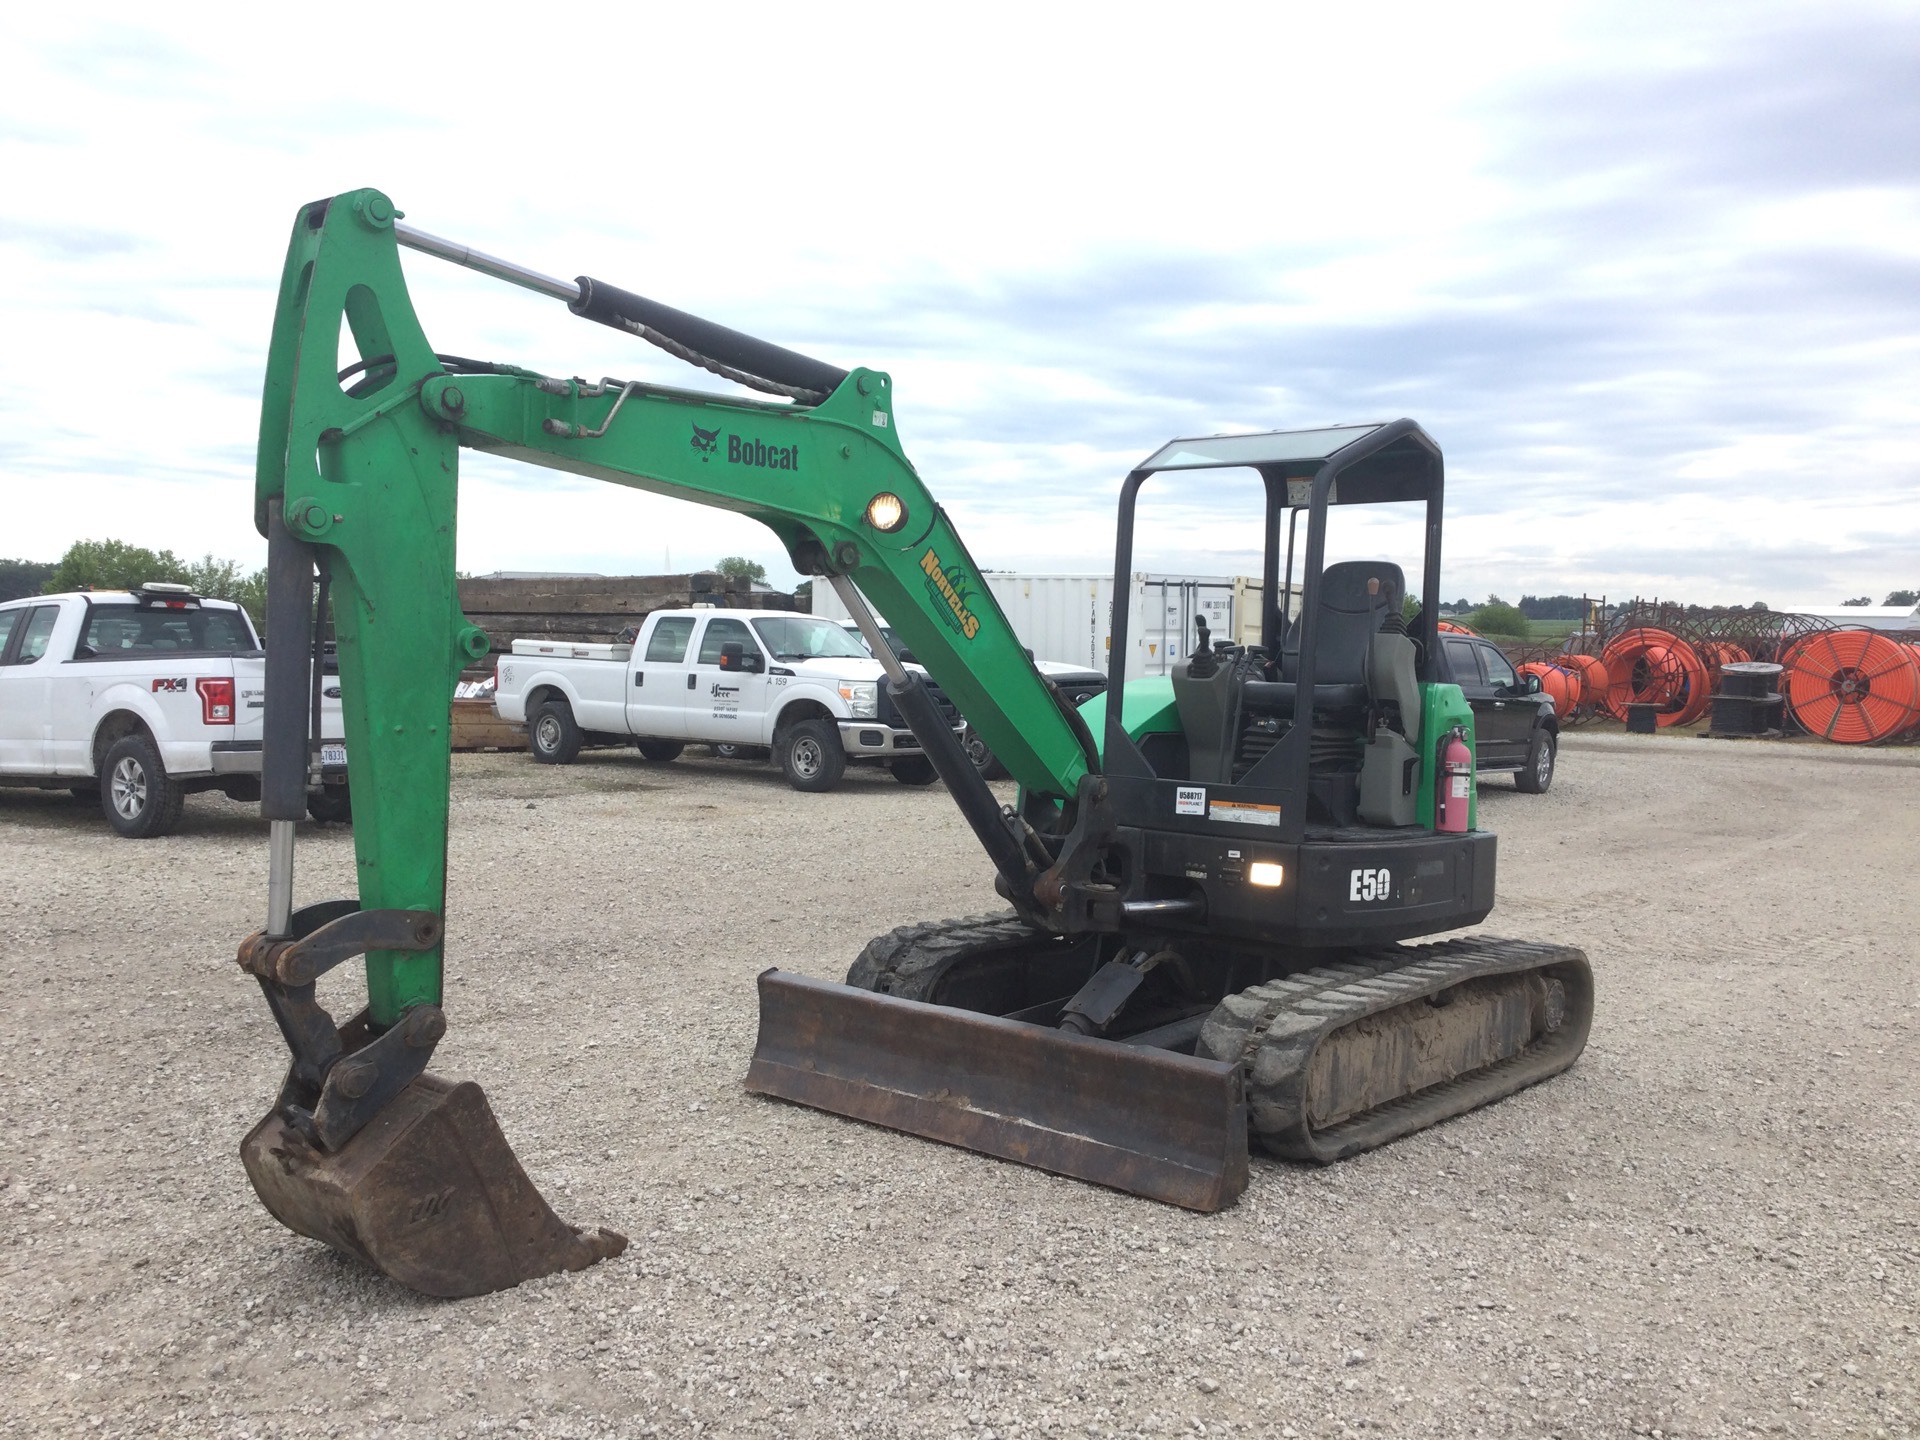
(429, 1193)
(1147, 1121)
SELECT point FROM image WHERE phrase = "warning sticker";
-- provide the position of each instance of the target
(1190, 800)
(1242, 813)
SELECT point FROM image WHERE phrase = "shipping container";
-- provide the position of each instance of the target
(1069, 618)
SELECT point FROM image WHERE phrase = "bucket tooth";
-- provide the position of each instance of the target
(429, 1193)
(1150, 1122)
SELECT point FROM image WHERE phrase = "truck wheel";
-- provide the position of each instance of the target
(330, 805)
(556, 739)
(983, 759)
(810, 755)
(1537, 774)
(661, 750)
(914, 770)
(138, 797)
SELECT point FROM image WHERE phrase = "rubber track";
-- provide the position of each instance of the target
(1275, 1028)
(912, 960)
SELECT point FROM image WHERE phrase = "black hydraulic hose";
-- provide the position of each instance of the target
(707, 342)
(1077, 723)
(283, 760)
(319, 660)
(964, 782)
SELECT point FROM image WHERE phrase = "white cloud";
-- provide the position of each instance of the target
(1647, 273)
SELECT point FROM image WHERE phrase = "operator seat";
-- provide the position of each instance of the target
(1348, 618)
(1218, 696)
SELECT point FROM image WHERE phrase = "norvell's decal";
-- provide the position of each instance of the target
(949, 584)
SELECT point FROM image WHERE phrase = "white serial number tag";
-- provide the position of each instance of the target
(1365, 885)
(333, 754)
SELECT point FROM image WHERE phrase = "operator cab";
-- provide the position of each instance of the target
(1321, 720)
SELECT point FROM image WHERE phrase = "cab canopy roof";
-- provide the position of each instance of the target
(1370, 463)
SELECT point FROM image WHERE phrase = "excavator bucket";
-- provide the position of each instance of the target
(428, 1193)
(1148, 1121)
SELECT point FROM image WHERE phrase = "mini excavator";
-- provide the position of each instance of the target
(1212, 875)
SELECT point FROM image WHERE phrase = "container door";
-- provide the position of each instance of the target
(657, 674)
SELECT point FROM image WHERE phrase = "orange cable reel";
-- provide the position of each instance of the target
(1655, 667)
(1564, 687)
(1853, 687)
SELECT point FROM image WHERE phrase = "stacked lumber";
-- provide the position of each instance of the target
(598, 607)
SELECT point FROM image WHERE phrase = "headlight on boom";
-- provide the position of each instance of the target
(886, 512)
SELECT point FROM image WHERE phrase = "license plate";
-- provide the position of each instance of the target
(333, 754)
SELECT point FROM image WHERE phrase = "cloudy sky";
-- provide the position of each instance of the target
(1649, 273)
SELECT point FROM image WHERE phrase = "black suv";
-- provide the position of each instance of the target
(1514, 725)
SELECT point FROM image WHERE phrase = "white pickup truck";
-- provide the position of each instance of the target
(135, 698)
(796, 685)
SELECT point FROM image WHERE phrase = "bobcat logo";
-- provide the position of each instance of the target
(707, 442)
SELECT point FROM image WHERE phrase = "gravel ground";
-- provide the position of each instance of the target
(1707, 1227)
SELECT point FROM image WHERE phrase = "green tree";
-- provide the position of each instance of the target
(1496, 617)
(23, 577)
(1898, 597)
(741, 566)
(1863, 600)
(116, 565)
(803, 595)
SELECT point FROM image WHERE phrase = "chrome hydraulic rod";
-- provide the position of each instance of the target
(486, 264)
(856, 604)
(279, 879)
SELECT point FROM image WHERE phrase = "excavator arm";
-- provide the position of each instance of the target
(362, 425)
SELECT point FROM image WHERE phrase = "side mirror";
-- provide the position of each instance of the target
(1533, 684)
(734, 656)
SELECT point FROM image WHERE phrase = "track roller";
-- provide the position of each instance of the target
(1352, 1055)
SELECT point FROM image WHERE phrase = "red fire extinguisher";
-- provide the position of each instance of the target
(1453, 796)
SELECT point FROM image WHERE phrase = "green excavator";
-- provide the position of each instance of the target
(1211, 875)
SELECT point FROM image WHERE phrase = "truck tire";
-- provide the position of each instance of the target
(914, 770)
(810, 755)
(660, 750)
(983, 759)
(1537, 774)
(554, 735)
(137, 796)
(330, 805)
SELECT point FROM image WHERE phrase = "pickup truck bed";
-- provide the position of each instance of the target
(141, 697)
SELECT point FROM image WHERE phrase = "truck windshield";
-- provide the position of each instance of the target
(802, 637)
(130, 630)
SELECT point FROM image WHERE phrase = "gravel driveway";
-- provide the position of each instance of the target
(1708, 1227)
